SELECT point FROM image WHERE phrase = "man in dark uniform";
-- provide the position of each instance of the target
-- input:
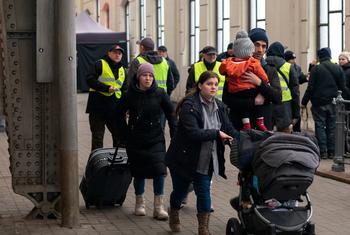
(107, 81)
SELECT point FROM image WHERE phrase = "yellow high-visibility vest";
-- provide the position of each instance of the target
(107, 77)
(286, 94)
(160, 71)
(200, 68)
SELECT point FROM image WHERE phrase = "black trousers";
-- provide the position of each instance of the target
(98, 121)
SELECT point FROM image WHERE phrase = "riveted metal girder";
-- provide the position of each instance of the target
(30, 107)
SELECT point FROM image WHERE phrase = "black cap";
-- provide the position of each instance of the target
(258, 34)
(230, 46)
(289, 55)
(116, 47)
(162, 48)
(147, 43)
(324, 53)
(276, 49)
(208, 50)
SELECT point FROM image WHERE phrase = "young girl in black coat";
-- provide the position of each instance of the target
(145, 102)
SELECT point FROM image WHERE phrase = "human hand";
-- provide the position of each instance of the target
(294, 121)
(112, 89)
(259, 99)
(250, 77)
(224, 136)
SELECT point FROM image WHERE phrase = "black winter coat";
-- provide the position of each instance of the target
(346, 69)
(184, 150)
(145, 136)
(325, 81)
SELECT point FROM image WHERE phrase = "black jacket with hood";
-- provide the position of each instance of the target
(326, 79)
(275, 56)
(145, 135)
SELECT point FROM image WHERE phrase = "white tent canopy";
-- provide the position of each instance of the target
(85, 24)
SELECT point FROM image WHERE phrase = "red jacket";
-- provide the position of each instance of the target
(233, 68)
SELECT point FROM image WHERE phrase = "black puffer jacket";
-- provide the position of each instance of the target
(325, 81)
(145, 136)
(184, 150)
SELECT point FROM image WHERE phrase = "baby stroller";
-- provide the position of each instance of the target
(273, 196)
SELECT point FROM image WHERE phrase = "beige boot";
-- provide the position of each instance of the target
(203, 223)
(140, 208)
(159, 213)
(174, 220)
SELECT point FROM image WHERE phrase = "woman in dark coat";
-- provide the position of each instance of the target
(344, 62)
(145, 139)
(196, 152)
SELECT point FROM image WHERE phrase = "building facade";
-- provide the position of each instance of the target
(186, 26)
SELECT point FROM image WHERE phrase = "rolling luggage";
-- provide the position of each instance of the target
(107, 178)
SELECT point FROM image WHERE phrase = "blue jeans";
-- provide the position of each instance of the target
(201, 185)
(324, 118)
(158, 185)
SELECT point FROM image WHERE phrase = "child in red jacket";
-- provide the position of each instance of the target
(234, 67)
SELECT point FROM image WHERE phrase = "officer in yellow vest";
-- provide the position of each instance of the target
(208, 62)
(162, 73)
(285, 115)
(107, 81)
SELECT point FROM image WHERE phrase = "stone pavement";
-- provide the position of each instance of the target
(330, 198)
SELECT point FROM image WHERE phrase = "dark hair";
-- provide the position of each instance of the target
(195, 90)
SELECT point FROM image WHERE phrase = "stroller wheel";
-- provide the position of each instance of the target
(309, 229)
(233, 227)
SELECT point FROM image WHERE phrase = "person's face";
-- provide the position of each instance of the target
(115, 55)
(292, 61)
(260, 49)
(230, 52)
(145, 81)
(210, 57)
(209, 88)
(162, 54)
(342, 60)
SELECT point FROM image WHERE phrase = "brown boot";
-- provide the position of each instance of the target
(174, 220)
(203, 223)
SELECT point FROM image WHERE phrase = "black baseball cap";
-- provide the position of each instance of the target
(116, 47)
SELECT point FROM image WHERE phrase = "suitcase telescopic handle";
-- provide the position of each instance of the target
(115, 154)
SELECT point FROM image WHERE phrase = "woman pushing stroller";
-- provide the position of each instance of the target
(196, 152)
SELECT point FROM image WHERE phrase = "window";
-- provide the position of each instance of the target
(127, 27)
(105, 14)
(194, 30)
(142, 18)
(160, 19)
(223, 26)
(257, 14)
(331, 25)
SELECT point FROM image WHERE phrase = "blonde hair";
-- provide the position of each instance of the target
(345, 54)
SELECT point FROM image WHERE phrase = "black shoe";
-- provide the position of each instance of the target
(235, 203)
(330, 155)
(324, 155)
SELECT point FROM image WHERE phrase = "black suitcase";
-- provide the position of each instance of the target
(107, 178)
